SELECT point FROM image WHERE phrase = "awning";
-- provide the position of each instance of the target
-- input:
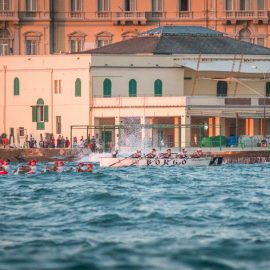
(252, 67)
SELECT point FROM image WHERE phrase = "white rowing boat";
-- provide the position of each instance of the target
(128, 162)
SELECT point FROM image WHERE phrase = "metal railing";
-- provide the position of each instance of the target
(246, 14)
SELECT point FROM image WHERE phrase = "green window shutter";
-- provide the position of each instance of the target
(16, 87)
(78, 86)
(34, 114)
(46, 114)
(40, 126)
(158, 88)
(132, 88)
(107, 88)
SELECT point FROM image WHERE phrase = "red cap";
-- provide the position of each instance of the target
(1, 162)
(81, 164)
(89, 165)
(61, 163)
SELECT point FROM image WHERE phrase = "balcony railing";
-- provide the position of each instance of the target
(246, 14)
(34, 15)
(7, 15)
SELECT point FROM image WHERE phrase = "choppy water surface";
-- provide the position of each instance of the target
(137, 218)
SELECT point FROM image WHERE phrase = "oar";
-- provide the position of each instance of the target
(119, 161)
(135, 162)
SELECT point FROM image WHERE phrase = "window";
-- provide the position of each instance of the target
(57, 86)
(4, 5)
(32, 41)
(103, 5)
(16, 87)
(76, 42)
(103, 39)
(222, 89)
(76, 5)
(130, 5)
(260, 42)
(229, 5)
(245, 35)
(157, 5)
(267, 89)
(245, 5)
(31, 5)
(58, 125)
(78, 86)
(158, 88)
(260, 5)
(40, 114)
(107, 88)
(132, 88)
(183, 5)
(129, 35)
(5, 42)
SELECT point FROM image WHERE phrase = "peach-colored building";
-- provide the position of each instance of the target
(43, 26)
(43, 95)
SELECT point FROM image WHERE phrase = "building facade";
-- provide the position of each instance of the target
(52, 26)
(43, 95)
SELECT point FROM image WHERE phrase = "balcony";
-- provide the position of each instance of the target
(156, 15)
(34, 15)
(245, 15)
(129, 16)
(8, 15)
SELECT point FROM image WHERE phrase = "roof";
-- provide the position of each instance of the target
(168, 40)
(182, 30)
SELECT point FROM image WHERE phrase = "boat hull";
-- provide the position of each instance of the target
(128, 162)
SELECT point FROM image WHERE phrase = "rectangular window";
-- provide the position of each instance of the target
(157, 5)
(31, 47)
(31, 5)
(76, 5)
(103, 5)
(21, 131)
(260, 5)
(260, 41)
(57, 86)
(101, 43)
(40, 113)
(58, 125)
(229, 5)
(76, 45)
(129, 5)
(245, 5)
(4, 49)
(4, 5)
(183, 5)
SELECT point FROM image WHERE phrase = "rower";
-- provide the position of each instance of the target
(89, 168)
(53, 168)
(138, 154)
(183, 153)
(168, 154)
(2, 167)
(198, 153)
(30, 168)
(152, 154)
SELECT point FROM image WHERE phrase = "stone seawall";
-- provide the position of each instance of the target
(42, 154)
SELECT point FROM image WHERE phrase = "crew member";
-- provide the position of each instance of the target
(60, 167)
(138, 154)
(115, 153)
(168, 154)
(79, 168)
(151, 154)
(198, 153)
(183, 153)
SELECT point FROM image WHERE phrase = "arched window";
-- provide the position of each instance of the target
(132, 90)
(245, 35)
(222, 89)
(16, 87)
(267, 89)
(78, 87)
(40, 114)
(107, 88)
(158, 88)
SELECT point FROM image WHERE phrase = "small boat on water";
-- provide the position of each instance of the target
(143, 161)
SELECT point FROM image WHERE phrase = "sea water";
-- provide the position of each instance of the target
(137, 218)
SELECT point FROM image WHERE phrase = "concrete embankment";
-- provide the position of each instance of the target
(42, 154)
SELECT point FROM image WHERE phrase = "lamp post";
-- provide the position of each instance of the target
(264, 95)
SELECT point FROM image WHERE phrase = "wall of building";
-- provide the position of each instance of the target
(37, 79)
(115, 25)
